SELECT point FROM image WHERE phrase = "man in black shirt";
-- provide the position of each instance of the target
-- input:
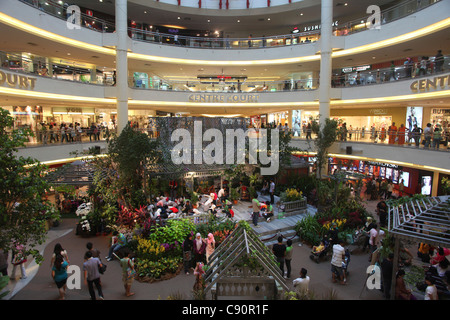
(382, 213)
(279, 250)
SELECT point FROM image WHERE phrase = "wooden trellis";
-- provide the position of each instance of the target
(229, 275)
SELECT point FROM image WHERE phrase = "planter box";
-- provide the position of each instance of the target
(293, 206)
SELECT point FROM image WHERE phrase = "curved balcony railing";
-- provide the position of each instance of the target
(412, 70)
(147, 34)
(434, 141)
(78, 72)
(67, 71)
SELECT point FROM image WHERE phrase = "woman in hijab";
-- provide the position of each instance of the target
(210, 246)
(199, 248)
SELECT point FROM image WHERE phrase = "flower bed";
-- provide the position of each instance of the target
(158, 250)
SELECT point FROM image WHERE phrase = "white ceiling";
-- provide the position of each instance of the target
(255, 21)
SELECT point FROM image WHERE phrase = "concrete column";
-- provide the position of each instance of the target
(436, 182)
(325, 66)
(325, 60)
(93, 74)
(121, 64)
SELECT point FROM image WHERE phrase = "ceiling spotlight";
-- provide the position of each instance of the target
(268, 19)
(346, 4)
(145, 11)
(239, 21)
(301, 13)
(209, 20)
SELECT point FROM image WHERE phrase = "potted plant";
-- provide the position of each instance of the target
(234, 195)
(194, 199)
(293, 200)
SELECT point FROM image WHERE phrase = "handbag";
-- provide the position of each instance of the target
(130, 271)
(101, 268)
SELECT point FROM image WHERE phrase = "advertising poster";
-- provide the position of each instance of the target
(426, 185)
(382, 172)
(296, 123)
(413, 117)
(405, 177)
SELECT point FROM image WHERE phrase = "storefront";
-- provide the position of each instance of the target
(84, 116)
(369, 117)
(278, 118)
(414, 180)
(440, 116)
(26, 116)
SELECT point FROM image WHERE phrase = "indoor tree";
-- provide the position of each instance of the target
(24, 210)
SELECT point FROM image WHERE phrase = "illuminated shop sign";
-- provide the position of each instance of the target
(430, 84)
(381, 164)
(16, 80)
(356, 69)
(222, 98)
(378, 111)
(440, 111)
(317, 26)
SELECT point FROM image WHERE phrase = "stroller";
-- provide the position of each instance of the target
(323, 254)
(345, 264)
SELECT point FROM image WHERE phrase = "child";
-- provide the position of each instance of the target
(288, 257)
(319, 248)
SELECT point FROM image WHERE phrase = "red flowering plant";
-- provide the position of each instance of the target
(354, 220)
(130, 218)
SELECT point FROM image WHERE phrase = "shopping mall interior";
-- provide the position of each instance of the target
(262, 64)
(100, 64)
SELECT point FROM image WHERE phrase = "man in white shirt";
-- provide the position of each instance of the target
(302, 283)
(336, 261)
(272, 191)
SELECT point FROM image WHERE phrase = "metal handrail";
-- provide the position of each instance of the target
(57, 9)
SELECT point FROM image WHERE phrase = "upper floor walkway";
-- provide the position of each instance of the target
(412, 23)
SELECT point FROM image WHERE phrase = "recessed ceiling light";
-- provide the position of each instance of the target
(239, 21)
(301, 13)
(209, 20)
(178, 18)
(145, 11)
(345, 4)
(268, 19)
(68, 53)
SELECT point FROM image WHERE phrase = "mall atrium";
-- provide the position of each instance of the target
(366, 63)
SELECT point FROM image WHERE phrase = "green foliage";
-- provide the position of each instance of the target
(310, 230)
(173, 231)
(3, 283)
(326, 136)
(23, 210)
(156, 269)
(445, 184)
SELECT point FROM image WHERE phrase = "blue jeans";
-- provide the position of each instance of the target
(427, 142)
(436, 143)
(113, 249)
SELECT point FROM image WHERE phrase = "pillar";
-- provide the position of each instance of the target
(93, 73)
(325, 67)
(325, 60)
(436, 182)
(121, 64)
